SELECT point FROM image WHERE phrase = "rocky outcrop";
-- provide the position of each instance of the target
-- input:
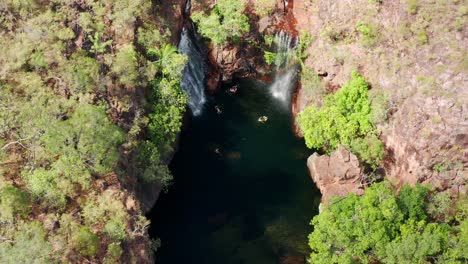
(172, 14)
(337, 174)
(427, 141)
(415, 58)
(245, 59)
(231, 61)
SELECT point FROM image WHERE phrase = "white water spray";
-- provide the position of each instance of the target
(195, 71)
(286, 68)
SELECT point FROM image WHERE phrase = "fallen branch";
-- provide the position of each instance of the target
(15, 142)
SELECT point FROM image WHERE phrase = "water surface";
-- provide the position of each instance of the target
(242, 193)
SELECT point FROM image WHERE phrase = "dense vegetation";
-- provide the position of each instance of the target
(344, 118)
(225, 22)
(75, 127)
(414, 226)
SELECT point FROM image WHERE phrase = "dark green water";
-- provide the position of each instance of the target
(249, 203)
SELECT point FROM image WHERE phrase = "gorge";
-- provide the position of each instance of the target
(241, 188)
(233, 131)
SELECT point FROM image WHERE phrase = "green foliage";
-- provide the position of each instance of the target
(103, 208)
(28, 244)
(417, 243)
(344, 118)
(270, 57)
(264, 7)
(125, 66)
(47, 185)
(441, 167)
(305, 39)
(87, 137)
(412, 6)
(115, 228)
(168, 109)
(150, 165)
(352, 226)
(65, 67)
(439, 207)
(381, 226)
(150, 37)
(170, 62)
(85, 144)
(369, 33)
(114, 251)
(379, 106)
(269, 39)
(411, 201)
(422, 37)
(85, 242)
(369, 149)
(13, 202)
(109, 211)
(82, 74)
(226, 21)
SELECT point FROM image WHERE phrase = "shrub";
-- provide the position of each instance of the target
(412, 6)
(370, 149)
(270, 57)
(99, 210)
(369, 33)
(264, 7)
(115, 228)
(125, 66)
(44, 185)
(440, 206)
(13, 202)
(85, 242)
(411, 201)
(27, 245)
(422, 37)
(150, 166)
(225, 21)
(82, 74)
(114, 251)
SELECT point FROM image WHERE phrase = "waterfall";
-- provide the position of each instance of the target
(286, 67)
(194, 74)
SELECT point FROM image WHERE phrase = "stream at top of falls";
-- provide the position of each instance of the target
(241, 191)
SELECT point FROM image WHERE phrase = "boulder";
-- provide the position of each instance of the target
(337, 174)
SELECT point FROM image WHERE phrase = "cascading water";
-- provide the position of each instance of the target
(193, 78)
(286, 67)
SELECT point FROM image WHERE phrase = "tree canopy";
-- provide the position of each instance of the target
(384, 226)
(226, 21)
(344, 118)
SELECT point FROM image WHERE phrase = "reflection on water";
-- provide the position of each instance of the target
(242, 193)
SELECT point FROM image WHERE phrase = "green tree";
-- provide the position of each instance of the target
(85, 242)
(27, 245)
(411, 201)
(381, 226)
(13, 202)
(344, 118)
(226, 21)
(98, 46)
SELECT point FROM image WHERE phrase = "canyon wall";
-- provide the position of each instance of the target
(414, 55)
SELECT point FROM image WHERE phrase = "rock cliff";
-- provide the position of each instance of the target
(337, 174)
(415, 55)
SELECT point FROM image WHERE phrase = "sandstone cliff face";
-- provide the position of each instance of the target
(337, 174)
(416, 55)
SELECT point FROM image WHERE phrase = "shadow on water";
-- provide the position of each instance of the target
(242, 192)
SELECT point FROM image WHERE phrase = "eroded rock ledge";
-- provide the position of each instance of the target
(337, 174)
